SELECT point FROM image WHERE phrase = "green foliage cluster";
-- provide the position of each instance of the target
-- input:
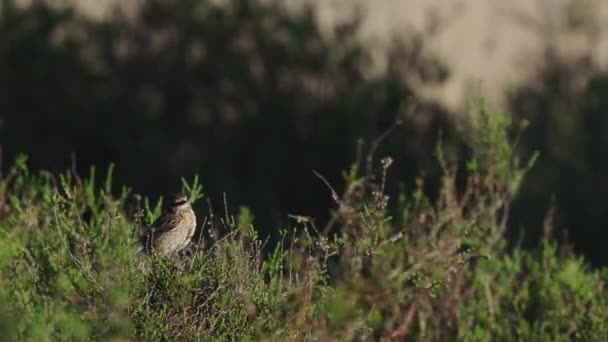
(384, 268)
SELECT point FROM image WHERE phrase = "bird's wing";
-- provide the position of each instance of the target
(163, 223)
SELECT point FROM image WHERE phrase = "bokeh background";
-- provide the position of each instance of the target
(254, 95)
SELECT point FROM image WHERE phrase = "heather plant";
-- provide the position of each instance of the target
(70, 269)
(439, 268)
(421, 265)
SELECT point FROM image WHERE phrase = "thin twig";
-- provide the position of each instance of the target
(376, 144)
(404, 329)
(74, 169)
(226, 209)
(334, 194)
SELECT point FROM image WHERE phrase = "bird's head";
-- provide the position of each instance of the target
(179, 201)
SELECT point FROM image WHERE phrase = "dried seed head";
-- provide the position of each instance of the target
(386, 162)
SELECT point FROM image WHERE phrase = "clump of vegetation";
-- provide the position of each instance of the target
(430, 267)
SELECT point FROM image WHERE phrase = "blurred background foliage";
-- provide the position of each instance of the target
(567, 105)
(253, 97)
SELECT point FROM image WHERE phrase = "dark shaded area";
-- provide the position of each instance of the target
(246, 95)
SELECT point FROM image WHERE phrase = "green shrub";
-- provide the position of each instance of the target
(429, 268)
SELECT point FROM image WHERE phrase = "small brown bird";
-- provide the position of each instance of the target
(172, 231)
